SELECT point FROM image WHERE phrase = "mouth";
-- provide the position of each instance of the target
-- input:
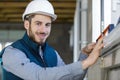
(41, 35)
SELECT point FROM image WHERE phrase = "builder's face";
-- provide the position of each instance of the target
(39, 28)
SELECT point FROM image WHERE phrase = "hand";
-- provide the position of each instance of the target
(93, 56)
(87, 50)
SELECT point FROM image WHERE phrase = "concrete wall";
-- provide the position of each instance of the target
(60, 40)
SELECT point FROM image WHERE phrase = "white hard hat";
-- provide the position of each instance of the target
(40, 7)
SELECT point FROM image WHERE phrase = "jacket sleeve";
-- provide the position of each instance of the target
(81, 58)
(16, 62)
(60, 61)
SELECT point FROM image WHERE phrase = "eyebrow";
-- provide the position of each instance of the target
(48, 23)
(41, 22)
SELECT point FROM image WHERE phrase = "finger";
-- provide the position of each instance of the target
(100, 41)
(91, 45)
(99, 44)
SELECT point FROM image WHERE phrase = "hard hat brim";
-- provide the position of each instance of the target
(54, 17)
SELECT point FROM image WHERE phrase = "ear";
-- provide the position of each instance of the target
(26, 24)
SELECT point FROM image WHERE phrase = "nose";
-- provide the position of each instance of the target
(42, 28)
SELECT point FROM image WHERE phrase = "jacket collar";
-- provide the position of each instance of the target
(30, 43)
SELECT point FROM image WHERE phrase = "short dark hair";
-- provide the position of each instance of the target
(29, 17)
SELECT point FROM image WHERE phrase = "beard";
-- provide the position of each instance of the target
(32, 37)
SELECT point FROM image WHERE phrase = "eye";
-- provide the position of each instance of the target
(48, 25)
(38, 23)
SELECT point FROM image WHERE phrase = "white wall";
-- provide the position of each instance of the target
(111, 15)
(115, 11)
(95, 19)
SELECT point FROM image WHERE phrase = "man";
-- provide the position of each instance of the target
(31, 58)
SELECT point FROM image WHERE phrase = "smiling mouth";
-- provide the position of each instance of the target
(42, 35)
